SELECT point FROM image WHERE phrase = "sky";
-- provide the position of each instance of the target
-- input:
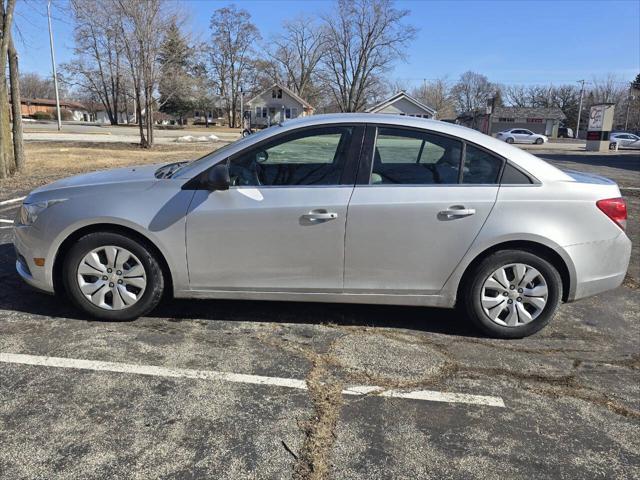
(509, 41)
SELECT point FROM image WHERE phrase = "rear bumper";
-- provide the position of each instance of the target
(599, 266)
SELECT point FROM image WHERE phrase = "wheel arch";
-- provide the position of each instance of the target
(534, 247)
(107, 228)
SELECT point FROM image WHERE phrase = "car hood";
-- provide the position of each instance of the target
(127, 178)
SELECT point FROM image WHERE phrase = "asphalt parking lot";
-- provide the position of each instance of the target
(227, 389)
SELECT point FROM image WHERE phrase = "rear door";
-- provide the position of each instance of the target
(420, 201)
(281, 225)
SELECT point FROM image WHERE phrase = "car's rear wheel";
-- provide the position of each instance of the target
(112, 277)
(509, 140)
(513, 294)
(539, 141)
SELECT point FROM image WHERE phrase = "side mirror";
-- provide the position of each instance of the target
(218, 178)
(262, 156)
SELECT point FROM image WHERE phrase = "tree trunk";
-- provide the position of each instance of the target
(7, 163)
(14, 77)
(143, 140)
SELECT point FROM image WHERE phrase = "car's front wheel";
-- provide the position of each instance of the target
(112, 277)
(539, 141)
(513, 294)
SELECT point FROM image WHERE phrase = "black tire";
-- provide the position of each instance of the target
(509, 140)
(472, 299)
(539, 141)
(154, 276)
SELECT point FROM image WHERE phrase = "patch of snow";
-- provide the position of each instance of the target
(192, 139)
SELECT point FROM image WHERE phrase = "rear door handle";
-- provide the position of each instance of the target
(320, 215)
(457, 211)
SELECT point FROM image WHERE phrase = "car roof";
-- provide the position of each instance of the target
(534, 165)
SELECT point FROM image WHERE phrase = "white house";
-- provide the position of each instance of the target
(403, 104)
(277, 104)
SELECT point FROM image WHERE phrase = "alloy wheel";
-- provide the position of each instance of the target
(111, 278)
(514, 295)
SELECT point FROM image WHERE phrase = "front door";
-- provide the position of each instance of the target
(281, 225)
(412, 224)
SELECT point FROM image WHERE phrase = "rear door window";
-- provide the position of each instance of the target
(480, 166)
(409, 157)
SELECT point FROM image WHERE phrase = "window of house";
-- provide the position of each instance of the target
(276, 93)
(410, 157)
(287, 113)
(294, 112)
(264, 112)
(534, 120)
(506, 119)
(480, 167)
(311, 157)
(258, 112)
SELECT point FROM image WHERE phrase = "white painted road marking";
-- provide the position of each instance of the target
(13, 200)
(2, 220)
(95, 365)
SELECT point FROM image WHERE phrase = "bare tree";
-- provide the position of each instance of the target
(7, 160)
(364, 39)
(143, 25)
(437, 94)
(32, 85)
(233, 38)
(297, 51)
(471, 92)
(98, 67)
(609, 89)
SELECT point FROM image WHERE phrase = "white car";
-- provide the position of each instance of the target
(625, 140)
(521, 135)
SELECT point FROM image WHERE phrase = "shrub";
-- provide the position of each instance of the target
(42, 116)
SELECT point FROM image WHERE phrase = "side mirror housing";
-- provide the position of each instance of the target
(218, 178)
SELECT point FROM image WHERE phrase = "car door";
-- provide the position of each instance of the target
(518, 135)
(527, 136)
(414, 211)
(281, 224)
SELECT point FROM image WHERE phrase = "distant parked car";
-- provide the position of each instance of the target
(521, 135)
(565, 132)
(625, 140)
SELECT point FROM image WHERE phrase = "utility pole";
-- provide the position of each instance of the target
(53, 64)
(580, 107)
(629, 99)
(241, 107)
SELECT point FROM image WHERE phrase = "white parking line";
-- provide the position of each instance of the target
(13, 200)
(156, 371)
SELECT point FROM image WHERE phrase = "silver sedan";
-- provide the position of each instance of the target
(356, 208)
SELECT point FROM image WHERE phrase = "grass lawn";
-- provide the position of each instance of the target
(49, 161)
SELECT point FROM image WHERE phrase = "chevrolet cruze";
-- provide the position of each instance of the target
(359, 208)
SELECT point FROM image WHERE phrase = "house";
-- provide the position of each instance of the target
(277, 104)
(75, 111)
(404, 104)
(540, 120)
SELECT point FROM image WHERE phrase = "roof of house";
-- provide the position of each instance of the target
(295, 96)
(401, 95)
(47, 102)
(534, 112)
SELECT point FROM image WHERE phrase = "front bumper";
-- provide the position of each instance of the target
(599, 266)
(28, 245)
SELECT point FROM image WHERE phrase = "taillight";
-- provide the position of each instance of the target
(615, 209)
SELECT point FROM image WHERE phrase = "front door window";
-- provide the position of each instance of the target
(311, 157)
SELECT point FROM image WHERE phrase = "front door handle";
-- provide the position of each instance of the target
(320, 216)
(457, 211)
